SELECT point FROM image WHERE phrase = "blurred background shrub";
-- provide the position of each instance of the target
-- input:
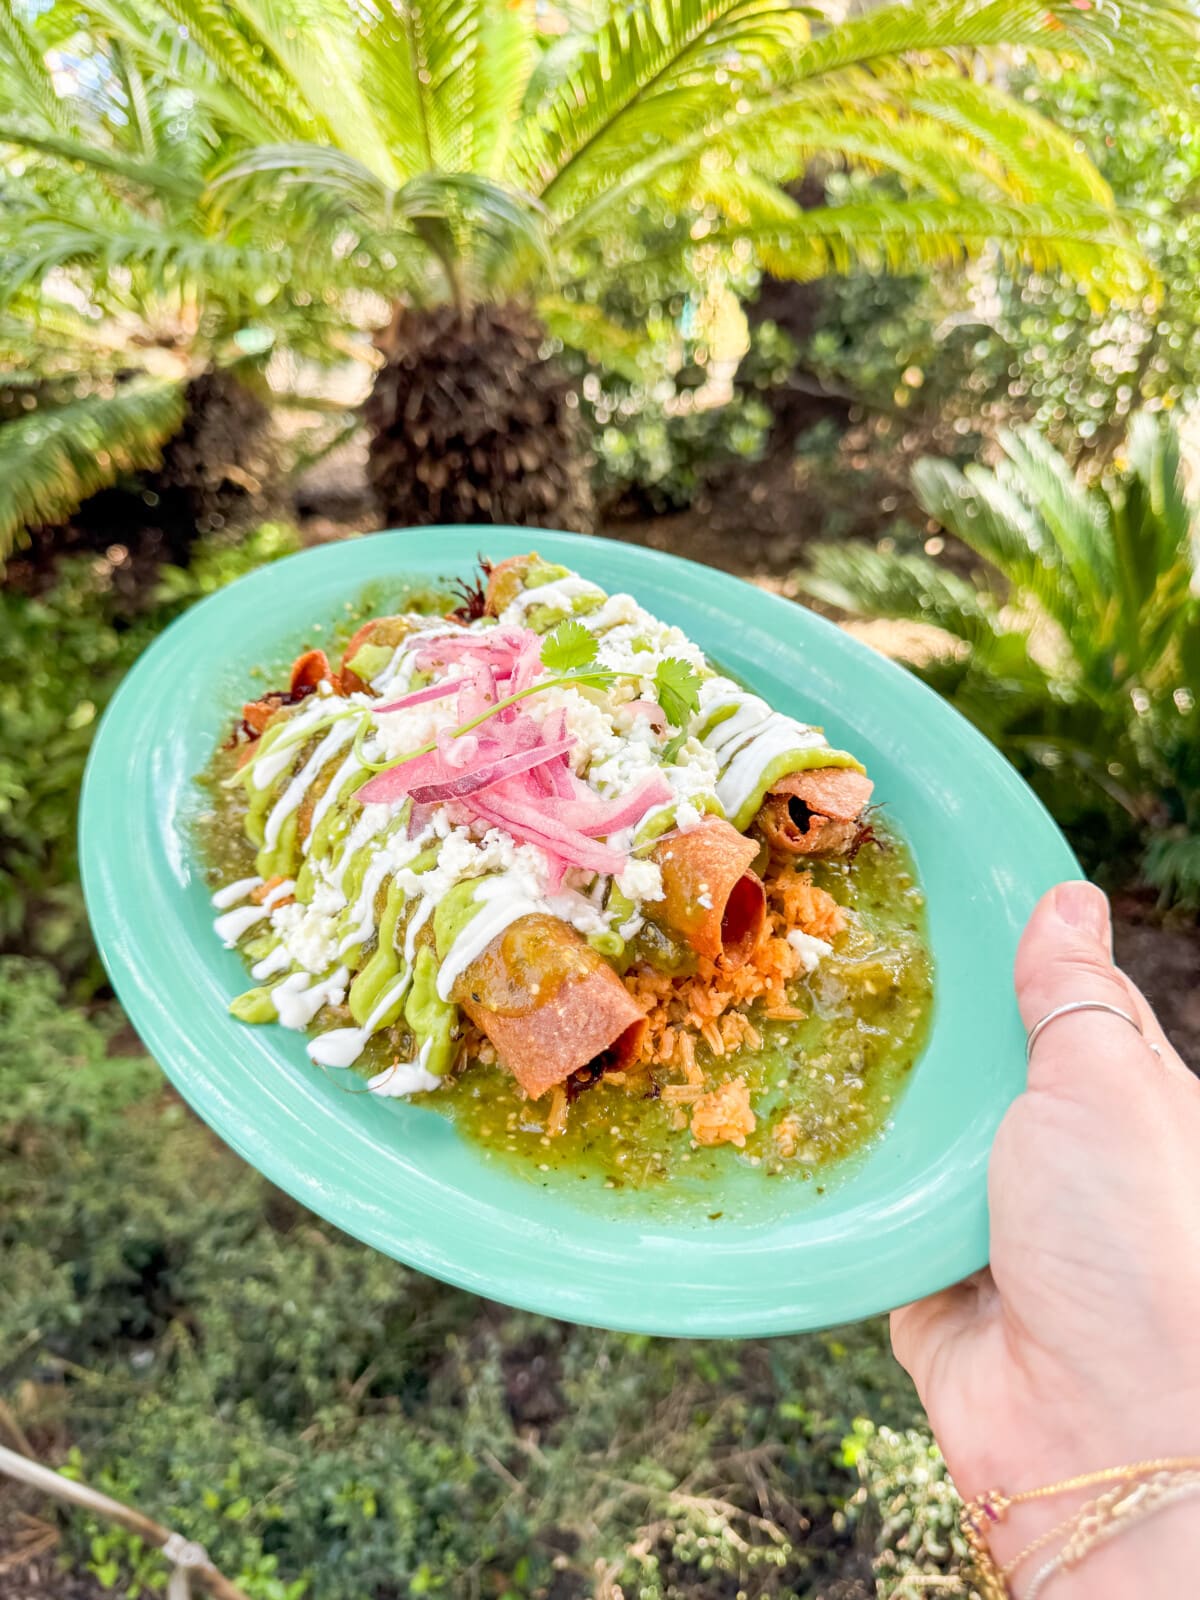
(63, 651)
(1077, 648)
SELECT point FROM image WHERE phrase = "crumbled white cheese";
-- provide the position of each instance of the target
(588, 723)
(632, 641)
(641, 880)
(810, 949)
(307, 934)
(578, 910)
(398, 733)
(460, 856)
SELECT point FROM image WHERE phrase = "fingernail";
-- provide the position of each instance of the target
(1085, 907)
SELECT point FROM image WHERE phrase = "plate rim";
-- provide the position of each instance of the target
(254, 1144)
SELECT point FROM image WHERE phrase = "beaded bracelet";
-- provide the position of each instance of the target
(1140, 1490)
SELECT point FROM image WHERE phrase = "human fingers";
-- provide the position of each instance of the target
(1065, 956)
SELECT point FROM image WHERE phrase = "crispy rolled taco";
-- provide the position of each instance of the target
(549, 1004)
(711, 898)
(816, 813)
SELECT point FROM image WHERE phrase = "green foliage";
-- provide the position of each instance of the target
(331, 1425)
(1081, 657)
(652, 442)
(453, 153)
(62, 655)
(118, 283)
(1077, 375)
(214, 179)
(1027, 346)
(51, 461)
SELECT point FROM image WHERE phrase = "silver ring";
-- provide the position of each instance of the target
(1081, 1005)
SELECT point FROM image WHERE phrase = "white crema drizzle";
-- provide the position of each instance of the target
(748, 740)
(502, 899)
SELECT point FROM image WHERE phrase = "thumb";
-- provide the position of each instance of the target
(1065, 956)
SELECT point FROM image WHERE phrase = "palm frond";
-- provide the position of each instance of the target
(1089, 244)
(144, 174)
(51, 462)
(929, 153)
(598, 115)
(985, 515)
(425, 65)
(167, 56)
(1025, 145)
(479, 102)
(335, 173)
(316, 46)
(210, 25)
(939, 127)
(865, 582)
(1152, 548)
(1077, 521)
(1172, 865)
(998, 515)
(1154, 457)
(476, 225)
(141, 113)
(1124, 38)
(29, 78)
(44, 336)
(176, 257)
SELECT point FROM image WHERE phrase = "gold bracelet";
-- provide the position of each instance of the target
(986, 1511)
(1110, 1516)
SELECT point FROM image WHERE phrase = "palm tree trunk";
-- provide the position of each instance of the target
(471, 419)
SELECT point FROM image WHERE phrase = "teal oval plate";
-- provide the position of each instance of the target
(907, 1217)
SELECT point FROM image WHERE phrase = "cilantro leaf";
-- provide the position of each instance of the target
(568, 648)
(590, 678)
(678, 686)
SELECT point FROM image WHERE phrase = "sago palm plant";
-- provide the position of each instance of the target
(132, 327)
(487, 171)
(1078, 651)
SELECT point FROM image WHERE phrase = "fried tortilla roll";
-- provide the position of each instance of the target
(308, 671)
(815, 813)
(370, 650)
(507, 579)
(549, 1004)
(711, 899)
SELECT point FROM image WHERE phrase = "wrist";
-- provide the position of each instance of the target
(1155, 1558)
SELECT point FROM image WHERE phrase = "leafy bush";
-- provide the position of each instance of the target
(1077, 374)
(960, 356)
(1079, 652)
(655, 447)
(330, 1424)
(62, 655)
